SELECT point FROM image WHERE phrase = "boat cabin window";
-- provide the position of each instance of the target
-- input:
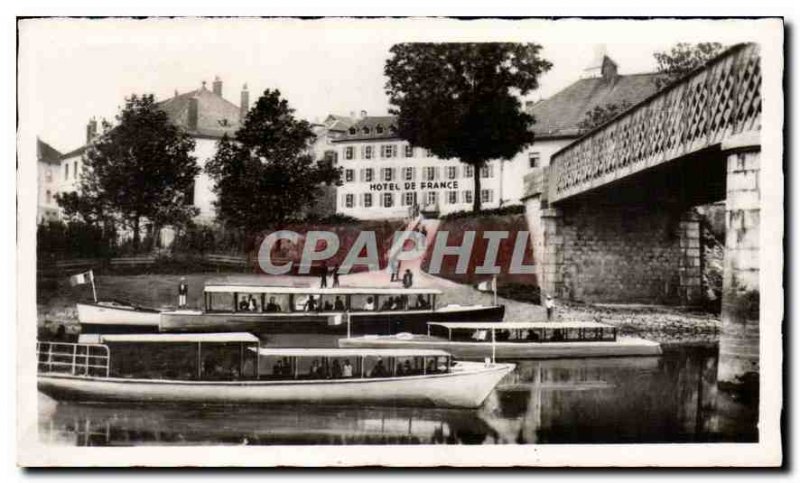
(534, 334)
(184, 360)
(344, 367)
(363, 302)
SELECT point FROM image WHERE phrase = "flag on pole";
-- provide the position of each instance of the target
(80, 278)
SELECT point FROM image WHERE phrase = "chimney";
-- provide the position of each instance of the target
(192, 117)
(609, 69)
(363, 114)
(244, 105)
(352, 114)
(91, 130)
(203, 87)
(217, 86)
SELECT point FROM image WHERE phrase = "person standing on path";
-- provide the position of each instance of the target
(323, 281)
(408, 279)
(549, 305)
(183, 289)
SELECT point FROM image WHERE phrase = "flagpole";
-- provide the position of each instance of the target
(94, 291)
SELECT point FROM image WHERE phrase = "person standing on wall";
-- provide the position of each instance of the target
(183, 289)
(549, 305)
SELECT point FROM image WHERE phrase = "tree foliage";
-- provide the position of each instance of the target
(602, 114)
(266, 175)
(683, 58)
(461, 100)
(140, 170)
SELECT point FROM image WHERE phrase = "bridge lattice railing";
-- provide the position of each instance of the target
(702, 109)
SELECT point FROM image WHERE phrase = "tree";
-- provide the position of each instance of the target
(602, 114)
(265, 175)
(140, 170)
(682, 59)
(461, 100)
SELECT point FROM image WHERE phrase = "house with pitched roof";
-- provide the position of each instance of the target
(205, 114)
(47, 161)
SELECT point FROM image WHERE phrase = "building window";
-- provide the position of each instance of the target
(368, 152)
(428, 153)
(330, 157)
(75, 169)
(533, 159)
(348, 200)
(487, 171)
(387, 174)
(467, 196)
(487, 196)
(367, 200)
(367, 175)
(408, 174)
(430, 173)
(409, 198)
(379, 129)
(388, 151)
(365, 130)
(452, 197)
(452, 172)
(349, 174)
(388, 200)
(408, 151)
(469, 171)
(352, 131)
(66, 171)
(48, 196)
(431, 198)
(49, 175)
(349, 152)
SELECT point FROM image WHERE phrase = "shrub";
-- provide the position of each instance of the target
(505, 210)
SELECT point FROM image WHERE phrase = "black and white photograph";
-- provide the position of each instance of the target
(370, 237)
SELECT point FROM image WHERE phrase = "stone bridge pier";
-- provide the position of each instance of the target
(612, 217)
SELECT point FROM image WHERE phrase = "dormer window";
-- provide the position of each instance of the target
(379, 129)
(365, 130)
(352, 131)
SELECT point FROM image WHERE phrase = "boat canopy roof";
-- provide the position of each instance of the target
(244, 288)
(522, 325)
(165, 338)
(277, 352)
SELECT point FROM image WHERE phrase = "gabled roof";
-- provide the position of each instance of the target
(215, 115)
(46, 153)
(560, 115)
(337, 123)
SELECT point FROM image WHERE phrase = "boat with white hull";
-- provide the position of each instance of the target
(263, 309)
(115, 316)
(211, 373)
(515, 340)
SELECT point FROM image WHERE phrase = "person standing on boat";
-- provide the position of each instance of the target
(183, 289)
(394, 268)
(347, 369)
(408, 279)
(335, 276)
(549, 305)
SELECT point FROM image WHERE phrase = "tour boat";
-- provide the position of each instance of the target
(515, 340)
(260, 309)
(115, 316)
(231, 368)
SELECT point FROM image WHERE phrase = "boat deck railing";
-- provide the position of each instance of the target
(75, 359)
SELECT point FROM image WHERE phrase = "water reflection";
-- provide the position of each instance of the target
(672, 398)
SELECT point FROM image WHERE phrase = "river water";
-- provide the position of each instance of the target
(671, 398)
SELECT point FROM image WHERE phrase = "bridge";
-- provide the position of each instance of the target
(612, 219)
